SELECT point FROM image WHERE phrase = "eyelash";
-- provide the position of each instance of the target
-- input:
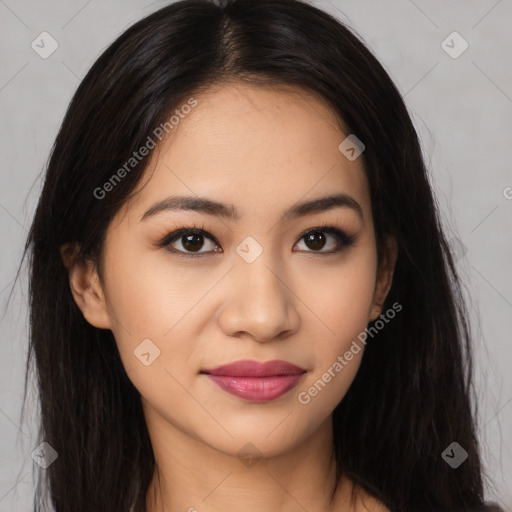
(342, 238)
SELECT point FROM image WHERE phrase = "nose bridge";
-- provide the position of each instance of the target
(260, 303)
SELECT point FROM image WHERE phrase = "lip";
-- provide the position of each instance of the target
(255, 381)
(250, 368)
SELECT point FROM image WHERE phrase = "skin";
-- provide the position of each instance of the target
(261, 150)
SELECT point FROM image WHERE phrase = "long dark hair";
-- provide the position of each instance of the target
(413, 394)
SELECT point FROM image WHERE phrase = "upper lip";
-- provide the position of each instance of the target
(250, 368)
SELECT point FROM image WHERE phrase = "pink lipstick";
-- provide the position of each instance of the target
(255, 381)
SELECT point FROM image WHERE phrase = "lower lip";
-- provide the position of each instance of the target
(257, 389)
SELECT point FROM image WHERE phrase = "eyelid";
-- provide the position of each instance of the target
(342, 238)
(168, 239)
(338, 233)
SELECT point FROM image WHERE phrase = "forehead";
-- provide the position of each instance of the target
(260, 149)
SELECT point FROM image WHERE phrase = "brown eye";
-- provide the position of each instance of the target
(191, 241)
(318, 238)
(315, 240)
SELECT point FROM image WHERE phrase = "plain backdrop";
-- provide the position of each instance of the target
(461, 106)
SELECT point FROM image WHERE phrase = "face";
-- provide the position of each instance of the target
(259, 279)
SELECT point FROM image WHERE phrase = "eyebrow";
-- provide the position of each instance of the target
(229, 211)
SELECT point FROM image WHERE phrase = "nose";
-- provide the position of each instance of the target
(261, 303)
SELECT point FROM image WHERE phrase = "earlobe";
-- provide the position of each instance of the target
(384, 277)
(85, 286)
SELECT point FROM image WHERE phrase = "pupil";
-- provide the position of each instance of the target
(192, 242)
(316, 239)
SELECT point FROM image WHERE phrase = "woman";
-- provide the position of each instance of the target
(241, 294)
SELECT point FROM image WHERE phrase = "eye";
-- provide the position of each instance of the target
(188, 242)
(316, 240)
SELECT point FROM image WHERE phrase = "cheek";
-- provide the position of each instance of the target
(146, 295)
(149, 307)
(342, 301)
(342, 295)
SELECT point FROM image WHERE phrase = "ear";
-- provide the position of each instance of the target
(85, 286)
(384, 277)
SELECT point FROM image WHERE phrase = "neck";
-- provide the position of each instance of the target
(192, 476)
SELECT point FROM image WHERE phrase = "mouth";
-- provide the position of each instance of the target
(255, 381)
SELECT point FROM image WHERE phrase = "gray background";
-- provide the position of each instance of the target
(462, 110)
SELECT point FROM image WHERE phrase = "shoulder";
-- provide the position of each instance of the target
(355, 498)
(370, 504)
